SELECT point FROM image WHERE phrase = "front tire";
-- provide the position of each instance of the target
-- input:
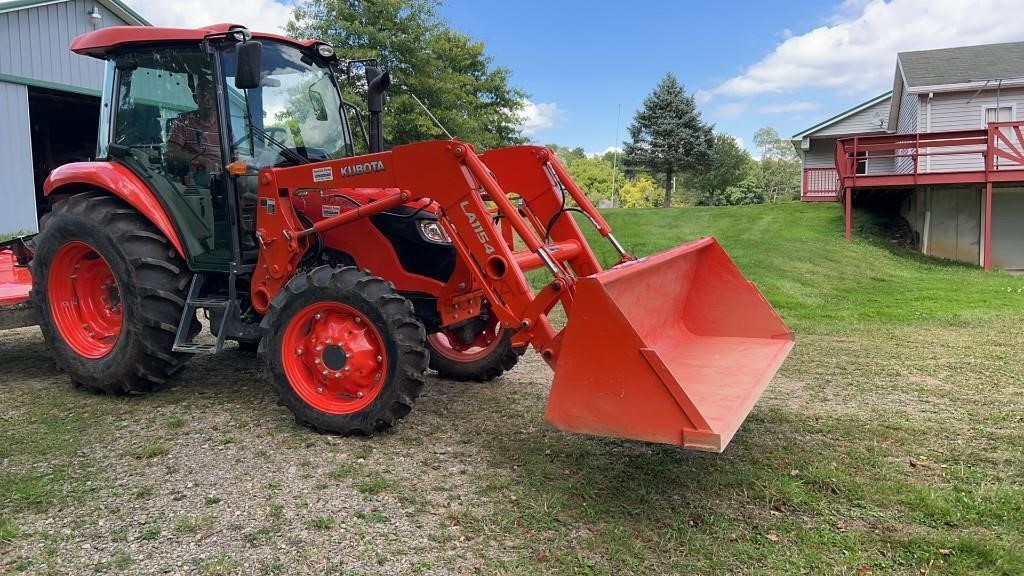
(488, 356)
(344, 351)
(110, 290)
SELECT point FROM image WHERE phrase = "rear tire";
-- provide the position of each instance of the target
(111, 330)
(344, 351)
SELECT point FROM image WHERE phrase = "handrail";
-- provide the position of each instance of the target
(999, 147)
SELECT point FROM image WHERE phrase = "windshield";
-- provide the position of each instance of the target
(297, 104)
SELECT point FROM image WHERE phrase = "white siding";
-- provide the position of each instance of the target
(34, 44)
(19, 200)
(866, 120)
(952, 111)
(907, 124)
(821, 154)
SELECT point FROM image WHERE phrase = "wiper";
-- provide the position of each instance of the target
(291, 154)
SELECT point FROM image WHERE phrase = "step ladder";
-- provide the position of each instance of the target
(194, 302)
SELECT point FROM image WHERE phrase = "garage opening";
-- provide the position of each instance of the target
(64, 126)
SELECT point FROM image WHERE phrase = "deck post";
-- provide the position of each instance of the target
(987, 253)
(848, 209)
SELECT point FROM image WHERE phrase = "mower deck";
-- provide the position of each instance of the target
(15, 285)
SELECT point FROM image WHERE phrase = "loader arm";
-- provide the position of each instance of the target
(451, 174)
(676, 347)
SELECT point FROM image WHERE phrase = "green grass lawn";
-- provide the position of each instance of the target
(891, 442)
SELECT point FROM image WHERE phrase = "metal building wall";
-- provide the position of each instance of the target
(34, 44)
(17, 192)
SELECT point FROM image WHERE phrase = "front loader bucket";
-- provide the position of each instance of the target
(675, 348)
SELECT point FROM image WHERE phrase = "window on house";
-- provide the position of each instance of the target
(1000, 114)
(862, 162)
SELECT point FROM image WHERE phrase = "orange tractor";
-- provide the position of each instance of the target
(228, 180)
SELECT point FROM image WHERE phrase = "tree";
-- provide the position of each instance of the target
(747, 191)
(730, 166)
(779, 167)
(643, 192)
(668, 135)
(447, 70)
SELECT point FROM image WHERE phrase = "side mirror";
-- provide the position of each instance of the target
(247, 72)
(376, 85)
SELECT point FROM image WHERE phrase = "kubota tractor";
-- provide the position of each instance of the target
(227, 180)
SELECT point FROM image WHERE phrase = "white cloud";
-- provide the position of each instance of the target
(259, 15)
(787, 107)
(856, 51)
(539, 117)
(605, 151)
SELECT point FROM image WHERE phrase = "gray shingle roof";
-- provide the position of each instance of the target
(963, 64)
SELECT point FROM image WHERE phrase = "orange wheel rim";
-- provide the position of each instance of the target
(85, 300)
(448, 344)
(334, 358)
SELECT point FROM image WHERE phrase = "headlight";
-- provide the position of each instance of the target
(325, 50)
(433, 232)
(241, 34)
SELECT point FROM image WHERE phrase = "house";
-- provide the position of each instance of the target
(817, 146)
(49, 97)
(947, 153)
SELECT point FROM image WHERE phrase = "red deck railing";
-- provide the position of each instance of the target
(820, 185)
(992, 154)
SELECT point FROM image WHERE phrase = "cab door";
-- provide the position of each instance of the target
(166, 129)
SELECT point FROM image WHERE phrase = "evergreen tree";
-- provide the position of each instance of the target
(668, 135)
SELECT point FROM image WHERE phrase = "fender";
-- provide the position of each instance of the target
(119, 181)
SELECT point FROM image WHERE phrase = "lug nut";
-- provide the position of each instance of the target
(320, 390)
(316, 361)
(324, 373)
(298, 351)
(329, 342)
(317, 316)
(359, 394)
(379, 359)
(319, 347)
(359, 320)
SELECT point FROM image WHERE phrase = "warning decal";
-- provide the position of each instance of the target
(325, 174)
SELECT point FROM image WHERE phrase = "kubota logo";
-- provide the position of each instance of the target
(474, 223)
(366, 168)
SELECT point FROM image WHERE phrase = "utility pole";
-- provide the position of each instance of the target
(615, 156)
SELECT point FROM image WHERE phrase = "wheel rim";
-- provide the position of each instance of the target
(85, 300)
(448, 344)
(334, 358)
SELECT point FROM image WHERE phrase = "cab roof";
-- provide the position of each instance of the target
(101, 43)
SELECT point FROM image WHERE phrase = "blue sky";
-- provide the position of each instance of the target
(589, 57)
(780, 63)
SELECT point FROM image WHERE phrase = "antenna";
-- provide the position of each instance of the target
(615, 153)
(432, 117)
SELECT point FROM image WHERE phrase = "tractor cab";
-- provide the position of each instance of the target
(175, 115)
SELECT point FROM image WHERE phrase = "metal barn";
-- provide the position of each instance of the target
(49, 97)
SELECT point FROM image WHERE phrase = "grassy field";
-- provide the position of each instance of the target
(890, 443)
